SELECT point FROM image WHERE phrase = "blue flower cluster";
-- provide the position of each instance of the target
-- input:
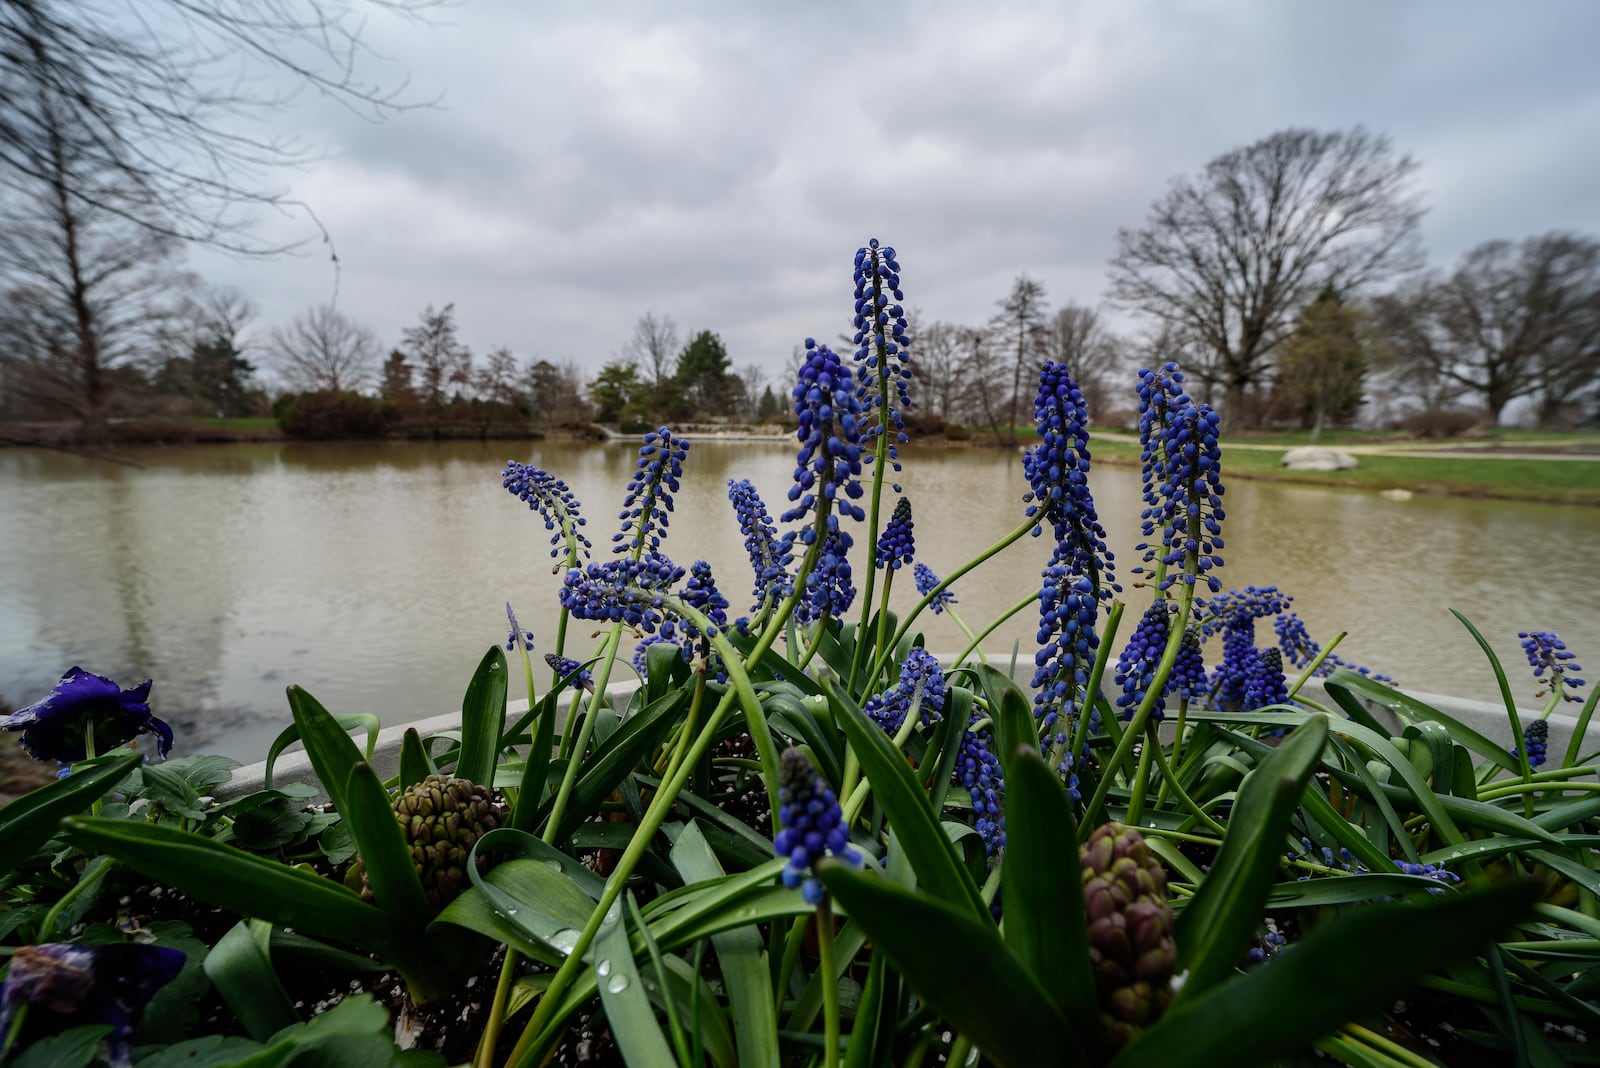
(980, 772)
(770, 555)
(1548, 653)
(1188, 678)
(1058, 475)
(550, 497)
(921, 686)
(883, 347)
(1161, 396)
(1537, 735)
(829, 590)
(1300, 649)
(649, 499)
(565, 667)
(926, 582)
(1193, 492)
(897, 545)
(1136, 667)
(1264, 683)
(1067, 644)
(518, 636)
(621, 591)
(1231, 681)
(829, 462)
(811, 822)
(83, 705)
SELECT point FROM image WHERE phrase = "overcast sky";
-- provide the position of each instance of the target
(721, 163)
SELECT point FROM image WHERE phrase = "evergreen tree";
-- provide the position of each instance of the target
(705, 379)
(1324, 364)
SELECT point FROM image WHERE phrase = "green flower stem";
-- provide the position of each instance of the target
(950, 611)
(484, 1055)
(1169, 779)
(905, 624)
(976, 644)
(1142, 715)
(880, 457)
(569, 777)
(788, 959)
(685, 730)
(960, 1052)
(1581, 728)
(1394, 1050)
(1080, 729)
(1141, 779)
(524, 1055)
(1182, 836)
(90, 878)
(1511, 789)
(830, 984)
(1316, 662)
(883, 616)
(1177, 745)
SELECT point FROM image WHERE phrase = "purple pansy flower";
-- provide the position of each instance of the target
(65, 986)
(56, 728)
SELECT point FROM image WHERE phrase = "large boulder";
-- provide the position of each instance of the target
(1313, 458)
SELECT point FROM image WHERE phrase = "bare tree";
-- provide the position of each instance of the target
(1513, 320)
(440, 357)
(323, 350)
(1079, 339)
(986, 369)
(654, 346)
(157, 90)
(94, 285)
(1019, 331)
(939, 375)
(1233, 254)
(751, 381)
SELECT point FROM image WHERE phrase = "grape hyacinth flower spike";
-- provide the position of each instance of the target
(58, 986)
(883, 346)
(827, 472)
(1553, 665)
(84, 709)
(897, 545)
(555, 503)
(517, 636)
(648, 502)
(927, 581)
(565, 667)
(812, 825)
(770, 555)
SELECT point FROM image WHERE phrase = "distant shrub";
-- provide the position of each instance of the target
(1446, 423)
(333, 415)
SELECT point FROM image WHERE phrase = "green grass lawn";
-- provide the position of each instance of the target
(1559, 481)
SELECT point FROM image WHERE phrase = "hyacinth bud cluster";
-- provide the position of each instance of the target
(829, 591)
(517, 636)
(1136, 667)
(648, 502)
(621, 591)
(1131, 946)
(1553, 665)
(1193, 492)
(566, 667)
(927, 582)
(829, 462)
(442, 819)
(1161, 396)
(883, 347)
(770, 556)
(1537, 737)
(550, 497)
(896, 545)
(811, 822)
(921, 686)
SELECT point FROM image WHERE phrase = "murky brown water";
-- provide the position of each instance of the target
(375, 575)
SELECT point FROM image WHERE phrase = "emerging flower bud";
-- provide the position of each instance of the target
(1131, 946)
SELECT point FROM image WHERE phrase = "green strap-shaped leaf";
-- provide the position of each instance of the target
(960, 965)
(536, 769)
(1359, 961)
(415, 763)
(1346, 687)
(613, 759)
(483, 716)
(1218, 922)
(895, 787)
(369, 813)
(745, 971)
(241, 970)
(329, 748)
(29, 821)
(250, 885)
(1043, 888)
(622, 993)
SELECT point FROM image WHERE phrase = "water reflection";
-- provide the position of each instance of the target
(374, 574)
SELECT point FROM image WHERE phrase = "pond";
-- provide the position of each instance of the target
(375, 575)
